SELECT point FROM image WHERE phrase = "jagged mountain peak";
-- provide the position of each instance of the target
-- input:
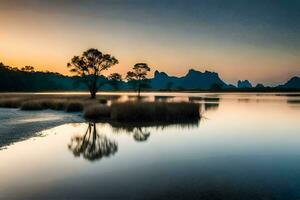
(293, 83)
(193, 72)
(192, 80)
(244, 84)
(160, 74)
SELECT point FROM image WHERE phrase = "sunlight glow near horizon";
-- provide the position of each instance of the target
(169, 37)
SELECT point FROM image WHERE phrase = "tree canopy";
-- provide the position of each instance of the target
(90, 66)
(114, 80)
(138, 75)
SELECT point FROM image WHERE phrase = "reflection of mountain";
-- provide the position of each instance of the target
(92, 146)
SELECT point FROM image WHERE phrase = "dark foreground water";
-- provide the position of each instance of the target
(246, 146)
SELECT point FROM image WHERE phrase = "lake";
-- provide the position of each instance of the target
(245, 146)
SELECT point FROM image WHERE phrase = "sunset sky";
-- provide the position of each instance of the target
(257, 40)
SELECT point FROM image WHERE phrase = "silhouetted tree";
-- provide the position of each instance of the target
(27, 69)
(138, 76)
(91, 145)
(114, 80)
(90, 66)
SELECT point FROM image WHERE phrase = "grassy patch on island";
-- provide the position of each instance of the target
(154, 111)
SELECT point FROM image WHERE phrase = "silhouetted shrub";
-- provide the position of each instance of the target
(75, 106)
(55, 104)
(11, 102)
(32, 105)
(97, 111)
(154, 111)
(103, 101)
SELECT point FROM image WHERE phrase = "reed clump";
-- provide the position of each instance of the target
(32, 105)
(11, 102)
(144, 112)
(97, 111)
(74, 106)
(103, 101)
(41, 104)
(55, 104)
(154, 111)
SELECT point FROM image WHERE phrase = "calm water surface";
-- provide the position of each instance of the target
(246, 146)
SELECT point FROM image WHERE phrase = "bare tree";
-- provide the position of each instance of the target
(90, 66)
(138, 76)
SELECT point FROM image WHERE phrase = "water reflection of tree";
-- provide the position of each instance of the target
(140, 132)
(140, 135)
(211, 106)
(163, 98)
(92, 146)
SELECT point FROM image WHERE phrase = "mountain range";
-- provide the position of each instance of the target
(196, 80)
(193, 80)
(14, 80)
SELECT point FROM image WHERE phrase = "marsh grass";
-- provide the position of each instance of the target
(43, 104)
(154, 111)
(132, 111)
(53, 104)
(11, 102)
(32, 105)
(103, 101)
(48, 101)
(97, 111)
(74, 106)
(144, 112)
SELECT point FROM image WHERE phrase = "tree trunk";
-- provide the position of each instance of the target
(139, 90)
(93, 87)
(93, 94)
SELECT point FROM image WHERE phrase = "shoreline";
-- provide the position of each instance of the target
(17, 125)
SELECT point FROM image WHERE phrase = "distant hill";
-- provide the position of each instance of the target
(12, 79)
(293, 83)
(192, 80)
(259, 86)
(15, 80)
(244, 84)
